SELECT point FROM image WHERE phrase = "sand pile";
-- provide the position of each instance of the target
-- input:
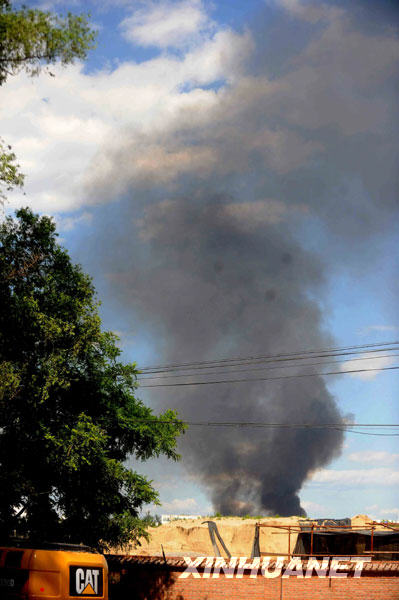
(191, 537)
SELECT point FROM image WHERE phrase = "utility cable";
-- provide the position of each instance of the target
(280, 377)
(319, 352)
(249, 361)
(149, 376)
(263, 425)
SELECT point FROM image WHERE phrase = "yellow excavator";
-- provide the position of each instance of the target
(52, 572)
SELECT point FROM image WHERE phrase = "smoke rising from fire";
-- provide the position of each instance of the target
(211, 248)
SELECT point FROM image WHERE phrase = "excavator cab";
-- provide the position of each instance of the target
(52, 572)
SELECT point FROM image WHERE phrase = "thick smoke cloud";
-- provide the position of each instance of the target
(208, 248)
(225, 278)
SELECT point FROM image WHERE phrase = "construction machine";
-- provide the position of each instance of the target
(30, 571)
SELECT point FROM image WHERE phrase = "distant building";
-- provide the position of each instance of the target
(167, 518)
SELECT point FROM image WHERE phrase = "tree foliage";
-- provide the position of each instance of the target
(10, 174)
(69, 416)
(30, 40)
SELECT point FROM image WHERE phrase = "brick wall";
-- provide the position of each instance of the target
(365, 588)
(136, 578)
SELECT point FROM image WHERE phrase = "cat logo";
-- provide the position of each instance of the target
(85, 581)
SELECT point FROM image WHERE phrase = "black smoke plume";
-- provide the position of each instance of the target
(211, 249)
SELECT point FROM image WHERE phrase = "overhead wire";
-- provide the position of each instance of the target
(262, 425)
(271, 425)
(299, 355)
(227, 366)
(280, 377)
(267, 368)
(371, 433)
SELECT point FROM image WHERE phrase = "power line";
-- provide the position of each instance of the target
(271, 356)
(371, 433)
(371, 354)
(148, 376)
(272, 425)
(246, 380)
(249, 361)
(263, 425)
(378, 347)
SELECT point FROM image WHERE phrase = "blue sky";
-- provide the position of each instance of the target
(305, 94)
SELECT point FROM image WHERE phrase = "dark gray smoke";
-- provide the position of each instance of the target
(222, 278)
(225, 284)
(213, 251)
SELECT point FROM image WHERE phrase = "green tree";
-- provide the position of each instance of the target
(10, 174)
(69, 416)
(30, 40)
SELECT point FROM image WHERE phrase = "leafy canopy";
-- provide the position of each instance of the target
(30, 40)
(10, 174)
(69, 416)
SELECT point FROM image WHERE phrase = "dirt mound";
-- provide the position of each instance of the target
(191, 537)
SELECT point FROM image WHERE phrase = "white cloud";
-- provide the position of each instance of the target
(370, 362)
(309, 12)
(389, 514)
(313, 508)
(167, 24)
(57, 125)
(235, 127)
(86, 138)
(353, 477)
(167, 484)
(68, 223)
(376, 457)
(180, 504)
(372, 507)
